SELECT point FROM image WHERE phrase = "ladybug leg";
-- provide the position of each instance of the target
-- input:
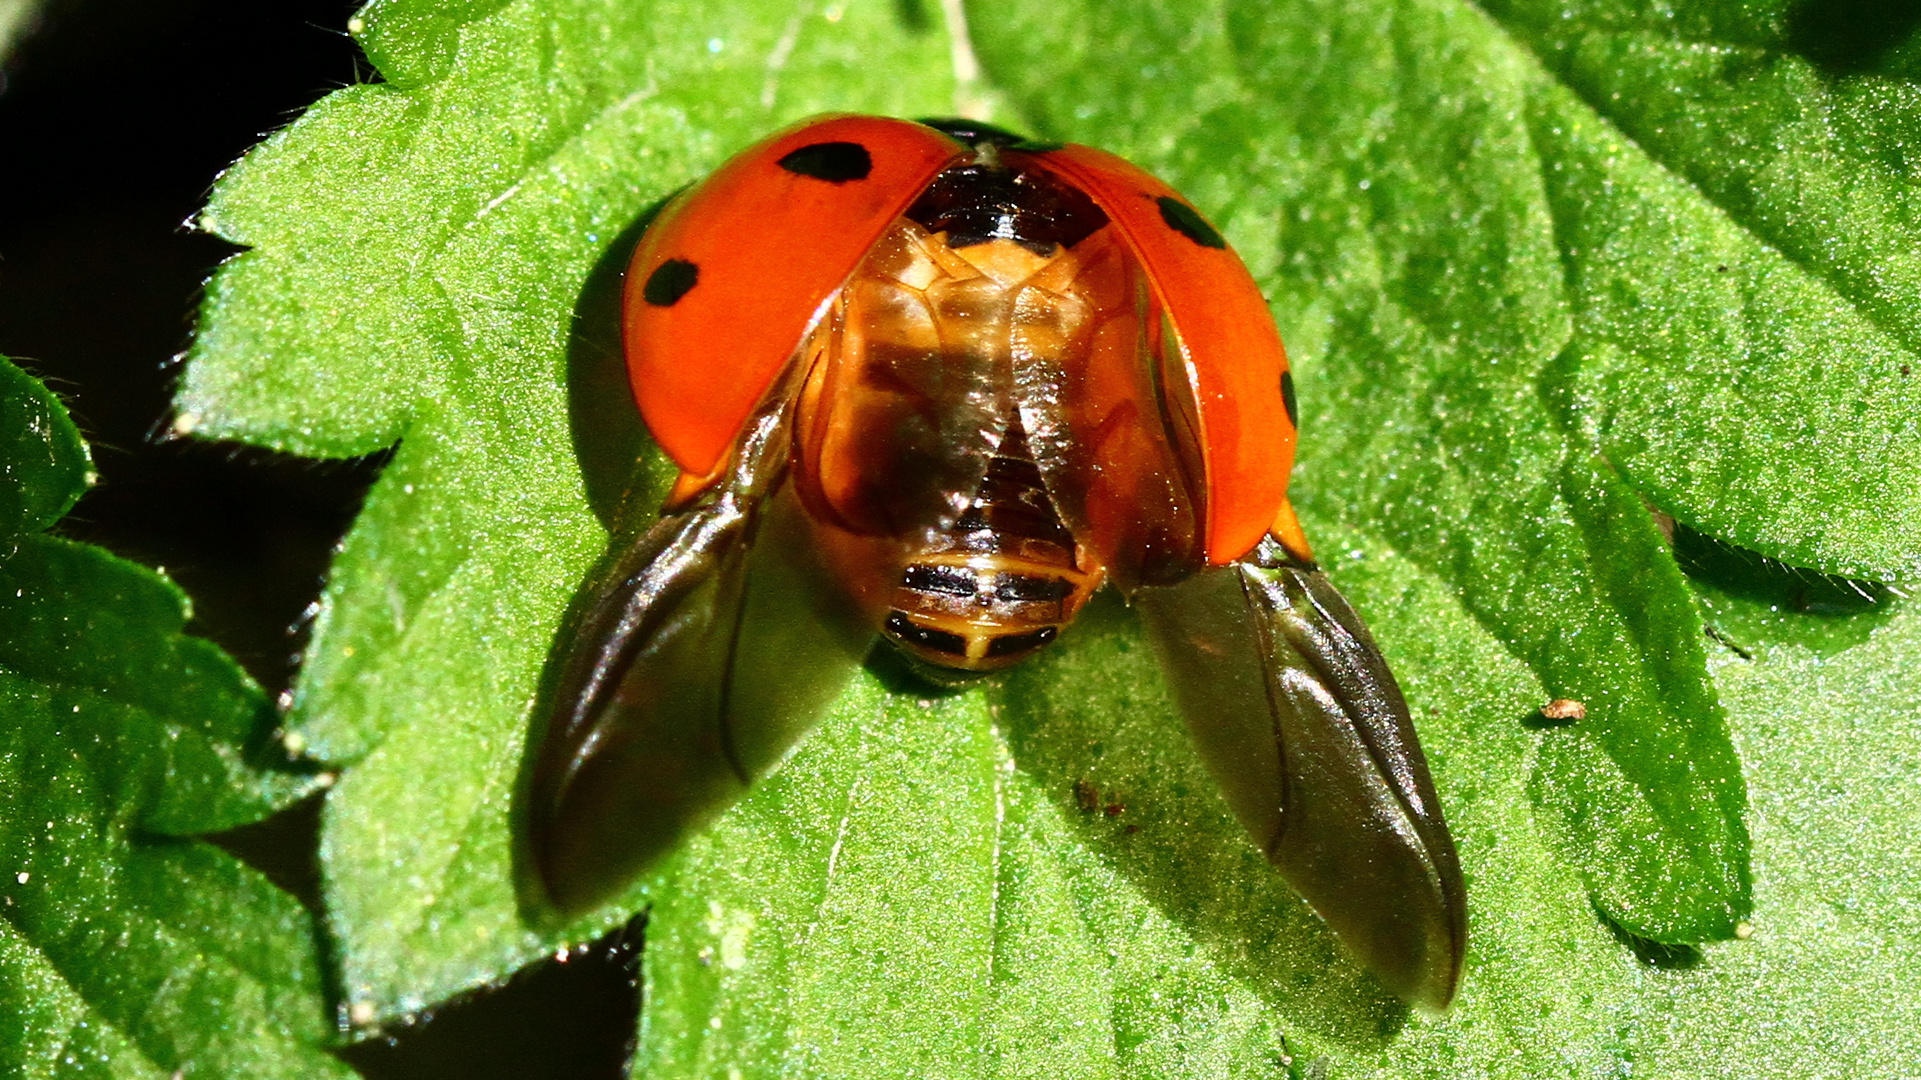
(1286, 531)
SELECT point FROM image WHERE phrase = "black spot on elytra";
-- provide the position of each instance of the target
(834, 162)
(1187, 221)
(1287, 399)
(669, 282)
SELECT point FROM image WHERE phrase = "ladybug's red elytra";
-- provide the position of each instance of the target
(937, 383)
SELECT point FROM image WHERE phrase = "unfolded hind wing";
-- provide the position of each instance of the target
(699, 654)
(907, 391)
(1296, 714)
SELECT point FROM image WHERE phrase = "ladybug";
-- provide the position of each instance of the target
(934, 383)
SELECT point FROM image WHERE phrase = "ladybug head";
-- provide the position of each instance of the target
(977, 202)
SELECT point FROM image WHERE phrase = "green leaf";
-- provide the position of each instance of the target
(46, 462)
(16, 17)
(125, 951)
(50, 1022)
(1512, 332)
(1837, 864)
(1756, 280)
(1038, 922)
(1081, 947)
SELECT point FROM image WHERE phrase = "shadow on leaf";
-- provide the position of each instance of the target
(1126, 779)
(1659, 955)
(1749, 599)
(610, 442)
(563, 1017)
(1851, 37)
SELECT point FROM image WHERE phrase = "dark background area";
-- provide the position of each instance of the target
(115, 117)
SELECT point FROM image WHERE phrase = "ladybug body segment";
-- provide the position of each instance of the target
(997, 586)
(936, 384)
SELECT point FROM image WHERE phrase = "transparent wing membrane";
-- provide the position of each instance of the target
(907, 390)
(1305, 729)
(703, 651)
(1109, 410)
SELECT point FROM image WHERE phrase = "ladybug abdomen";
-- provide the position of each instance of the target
(998, 585)
(952, 404)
